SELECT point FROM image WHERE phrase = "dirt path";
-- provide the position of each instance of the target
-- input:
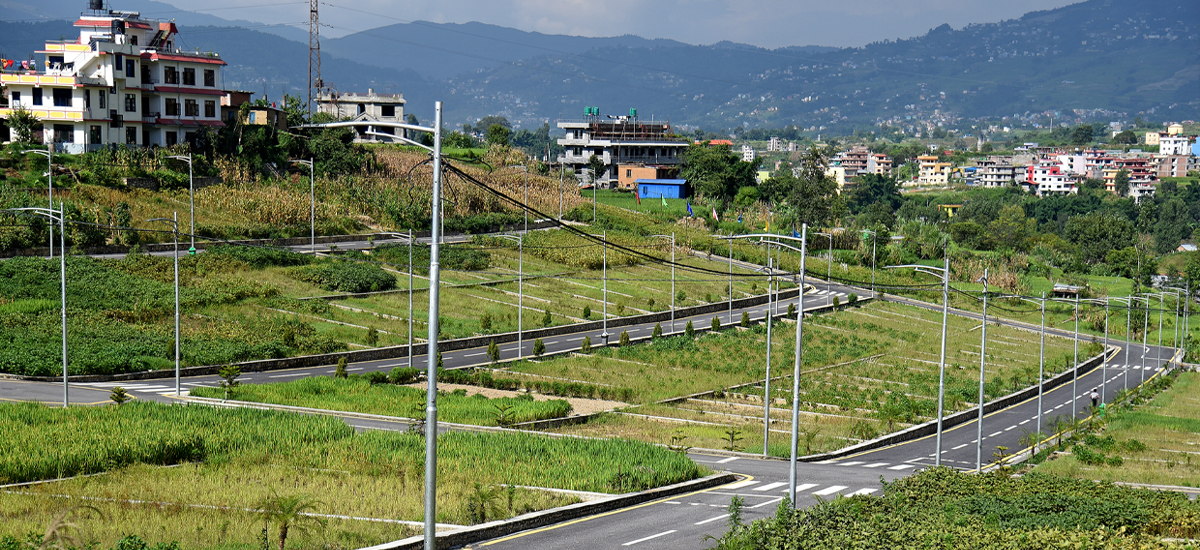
(578, 406)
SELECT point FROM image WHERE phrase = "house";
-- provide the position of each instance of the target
(747, 153)
(365, 107)
(775, 144)
(664, 188)
(855, 160)
(1186, 248)
(1173, 145)
(615, 141)
(879, 163)
(258, 115)
(628, 174)
(1175, 129)
(996, 171)
(950, 209)
(1049, 179)
(933, 172)
(123, 80)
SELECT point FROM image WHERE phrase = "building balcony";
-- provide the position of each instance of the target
(34, 78)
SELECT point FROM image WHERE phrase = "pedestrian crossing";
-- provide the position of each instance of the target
(828, 293)
(160, 389)
(871, 465)
(756, 487)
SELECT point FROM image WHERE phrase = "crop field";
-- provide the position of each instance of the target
(195, 474)
(867, 370)
(1155, 443)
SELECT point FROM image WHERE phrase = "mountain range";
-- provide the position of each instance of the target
(1098, 60)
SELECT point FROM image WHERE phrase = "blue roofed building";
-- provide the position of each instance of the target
(667, 189)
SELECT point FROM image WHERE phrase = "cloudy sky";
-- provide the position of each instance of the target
(767, 23)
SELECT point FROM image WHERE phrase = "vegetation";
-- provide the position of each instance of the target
(990, 511)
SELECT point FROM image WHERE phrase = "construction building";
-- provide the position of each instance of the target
(369, 107)
(620, 140)
(122, 81)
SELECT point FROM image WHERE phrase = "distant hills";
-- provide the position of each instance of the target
(1100, 57)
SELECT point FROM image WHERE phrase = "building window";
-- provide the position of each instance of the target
(16, 98)
(94, 135)
(172, 138)
(388, 111)
(361, 108)
(172, 106)
(190, 137)
(189, 77)
(131, 135)
(130, 103)
(629, 173)
(130, 68)
(210, 109)
(210, 78)
(37, 96)
(191, 108)
(87, 99)
(62, 97)
(133, 39)
(170, 75)
(64, 133)
(103, 99)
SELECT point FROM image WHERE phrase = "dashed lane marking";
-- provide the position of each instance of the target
(644, 539)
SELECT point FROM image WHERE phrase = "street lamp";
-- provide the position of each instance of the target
(49, 154)
(672, 235)
(1041, 362)
(604, 246)
(191, 199)
(53, 216)
(520, 240)
(942, 273)
(410, 237)
(174, 221)
(829, 265)
(873, 238)
(312, 202)
(982, 362)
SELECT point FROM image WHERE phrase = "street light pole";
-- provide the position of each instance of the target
(796, 369)
(829, 264)
(873, 237)
(412, 235)
(191, 199)
(982, 362)
(767, 384)
(431, 370)
(1075, 365)
(942, 363)
(520, 240)
(1041, 371)
(49, 154)
(731, 281)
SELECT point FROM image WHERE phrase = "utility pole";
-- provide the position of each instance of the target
(314, 54)
(982, 363)
(796, 370)
(432, 355)
(767, 384)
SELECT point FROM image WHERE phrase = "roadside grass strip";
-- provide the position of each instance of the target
(191, 473)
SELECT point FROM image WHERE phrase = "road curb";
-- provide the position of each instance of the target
(533, 520)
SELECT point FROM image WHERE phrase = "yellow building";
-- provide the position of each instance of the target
(933, 172)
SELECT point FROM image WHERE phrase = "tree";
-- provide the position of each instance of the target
(493, 351)
(539, 347)
(1172, 227)
(716, 172)
(1125, 138)
(1082, 134)
(624, 340)
(340, 371)
(229, 378)
(1097, 233)
(658, 326)
(875, 188)
(596, 169)
(814, 197)
(24, 124)
(987, 147)
(498, 135)
(878, 214)
(290, 513)
(1012, 230)
(118, 396)
(1121, 182)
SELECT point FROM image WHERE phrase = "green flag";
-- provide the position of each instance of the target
(663, 199)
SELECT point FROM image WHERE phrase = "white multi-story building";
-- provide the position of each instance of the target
(747, 153)
(1049, 179)
(998, 172)
(1174, 145)
(123, 81)
(369, 107)
(775, 144)
(618, 140)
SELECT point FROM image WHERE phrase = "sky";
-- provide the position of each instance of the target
(765, 23)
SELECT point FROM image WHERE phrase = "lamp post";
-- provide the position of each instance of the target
(410, 237)
(942, 273)
(174, 221)
(520, 240)
(873, 238)
(982, 373)
(191, 199)
(767, 383)
(672, 236)
(731, 281)
(829, 265)
(49, 154)
(53, 216)
(604, 246)
(312, 204)
(1075, 364)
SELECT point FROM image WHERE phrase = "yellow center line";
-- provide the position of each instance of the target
(614, 512)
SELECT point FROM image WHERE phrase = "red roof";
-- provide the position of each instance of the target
(156, 56)
(107, 23)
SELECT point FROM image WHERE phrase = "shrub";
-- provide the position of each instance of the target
(485, 322)
(587, 312)
(657, 331)
(624, 340)
(346, 276)
(716, 323)
(538, 347)
(493, 351)
(372, 337)
(853, 299)
(745, 318)
(681, 296)
(403, 375)
(837, 301)
(340, 371)
(586, 346)
(547, 319)
(689, 330)
(791, 310)
(376, 378)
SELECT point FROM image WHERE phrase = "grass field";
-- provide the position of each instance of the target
(194, 474)
(1169, 428)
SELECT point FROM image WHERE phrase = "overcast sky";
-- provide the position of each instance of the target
(767, 23)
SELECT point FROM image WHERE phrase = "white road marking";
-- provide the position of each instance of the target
(876, 465)
(760, 505)
(289, 375)
(475, 354)
(576, 339)
(855, 463)
(356, 368)
(903, 467)
(662, 534)
(996, 434)
(769, 486)
(960, 446)
(710, 520)
(1023, 422)
(830, 490)
(727, 460)
(864, 491)
(826, 462)
(1009, 428)
(741, 484)
(803, 487)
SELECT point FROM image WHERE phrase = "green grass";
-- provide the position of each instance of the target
(1167, 425)
(358, 395)
(235, 458)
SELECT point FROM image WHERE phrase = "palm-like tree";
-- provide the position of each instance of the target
(291, 513)
(64, 531)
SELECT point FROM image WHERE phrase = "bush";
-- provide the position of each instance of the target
(791, 311)
(376, 378)
(372, 337)
(624, 340)
(689, 330)
(340, 372)
(586, 346)
(485, 322)
(346, 276)
(852, 299)
(681, 296)
(837, 301)
(493, 351)
(538, 347)
(587, 312)
(657, 331)
(716, 323)
(547, 319)
(745, 319)
(403, 375)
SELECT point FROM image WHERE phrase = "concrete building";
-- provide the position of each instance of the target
(854, 160)
(122, 81)
(369, 107)
(1175, 129)
(775, 144)
(1170, 166)
(628, 174)
(1174, 145)
(617, 140)
(932, 172)
(879, 163)
(1049, 179)
(748, 154)
(662, 188)
(1152, 138)
(997, 172)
